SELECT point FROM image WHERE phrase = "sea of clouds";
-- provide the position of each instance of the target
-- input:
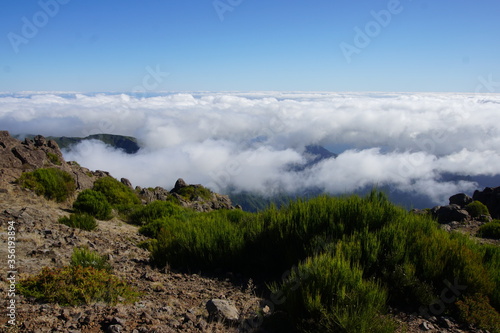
(429, 144)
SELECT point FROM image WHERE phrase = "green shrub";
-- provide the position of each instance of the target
(154, 211)
(87, 258)
(53, 158)
(381, 243)
(490, 230)
(476, 209)
(148, 244)
(80, 221)
(207, 240)
(93, 203)
(77, 285)
(328, 294)
(118, 195)
(191, 192)
(476, 310)
(53, 184)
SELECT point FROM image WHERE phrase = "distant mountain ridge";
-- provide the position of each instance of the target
(128, 144)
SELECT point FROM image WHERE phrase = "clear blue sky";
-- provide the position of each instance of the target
(106, 45)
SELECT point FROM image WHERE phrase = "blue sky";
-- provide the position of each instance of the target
(113, 45)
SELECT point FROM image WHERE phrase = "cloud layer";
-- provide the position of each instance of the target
(248, 141)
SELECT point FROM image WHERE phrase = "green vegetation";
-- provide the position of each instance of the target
(120, 196)
(93, 203)
(476, 310)
(87, 258)
(476, 209)
(79, 220)
(127, 143)
(77, 285)
(53, 184)
(329, 294)
(490, 230)
(191, 192)
(350, 253)
(53, 158)
(154, 211)
(148, 244)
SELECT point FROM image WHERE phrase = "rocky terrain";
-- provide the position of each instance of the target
(170, 301)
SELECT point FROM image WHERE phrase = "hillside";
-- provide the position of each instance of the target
(127, 143)
(187, 249)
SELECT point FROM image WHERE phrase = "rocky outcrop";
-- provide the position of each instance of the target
(169, 301)
(490, 196)
(450, 213)
(18, 156)
(222, 310)
(460, 199)
(194, 196)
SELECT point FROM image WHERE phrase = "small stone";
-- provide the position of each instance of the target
(114, 329)
(189, 317)
(118, 321)
(426, 326)
(202, 325)
(445, 322)
(221, 309)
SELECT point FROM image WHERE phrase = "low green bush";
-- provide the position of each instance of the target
(477, 310)
(206, 240)
(148, 244)
(476, 209)
(77, 285)
(87, 258)
(118, 194)
(154, 211)
(53, 158)
(93, 203)
(191, 192)
(329, 294)
(369, 241)
(53, 184)
(490, 230)
(79, 220)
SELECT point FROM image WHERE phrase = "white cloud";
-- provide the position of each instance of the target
(249, 140)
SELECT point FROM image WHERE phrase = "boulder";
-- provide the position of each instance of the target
(223, 310)
(450, 213)
(18, 156)
(180, 183)
(126, 182)
(490, 196)
(460, 199)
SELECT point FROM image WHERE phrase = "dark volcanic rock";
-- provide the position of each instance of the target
(450, 213)
(460, 199)
(490, 196)
(180, 183)
(18, 156)
(221, 309)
